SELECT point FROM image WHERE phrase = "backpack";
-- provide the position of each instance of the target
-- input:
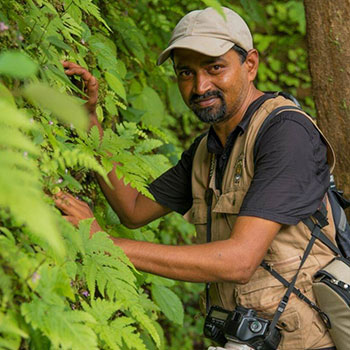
(331, 284)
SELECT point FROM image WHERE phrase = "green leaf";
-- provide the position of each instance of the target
(66, 329)
(177, 103)
(121, 69)
(161, 281)
(58, 43)
(6, 95)
(63, 106)
(215, 4)
(12, 117)
(256, 12)
(17, 65)
(115, 83)
(9, 325)
(150, 102)
(105, 51)
(169, 303)
(54, 281)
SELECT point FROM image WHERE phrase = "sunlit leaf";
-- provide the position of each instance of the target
(6, 95)
(17, 65)
(66, 108)
(115, 83)
(169, 303)
(215, 4)
(150, 102)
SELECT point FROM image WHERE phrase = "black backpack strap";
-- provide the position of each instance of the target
(321, 217)
(267, 120)
(209, 201)
(284, 301)
(338, 204)
(321, 221)
(296, 291)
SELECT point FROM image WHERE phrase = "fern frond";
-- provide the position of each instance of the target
(66, 329)
(148, 145)
(115, 333)
(113, 143)
(9, 325)
(76, 157)
(15, 259)
(128, 334)
(71, 25)
(11, 117)
(108, 280)
(5, 287)
(101, 309)
(20, 181)
(89, 7)
(146, 322)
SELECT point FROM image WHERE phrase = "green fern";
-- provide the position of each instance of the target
(20, 180)
(115, 332)
(72, 292)
(66, 329)
(89, 7)
(113, 275)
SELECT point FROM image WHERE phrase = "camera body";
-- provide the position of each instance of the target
(240, 325)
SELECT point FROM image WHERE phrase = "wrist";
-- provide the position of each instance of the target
(95, 227)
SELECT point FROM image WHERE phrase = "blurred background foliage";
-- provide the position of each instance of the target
(49, 272)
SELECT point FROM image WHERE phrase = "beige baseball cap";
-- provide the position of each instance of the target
(207, 32)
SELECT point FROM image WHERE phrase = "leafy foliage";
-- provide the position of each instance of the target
(58, 288)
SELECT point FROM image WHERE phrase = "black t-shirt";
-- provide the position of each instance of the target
(291, 171)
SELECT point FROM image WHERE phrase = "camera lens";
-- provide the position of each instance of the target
(255, 326)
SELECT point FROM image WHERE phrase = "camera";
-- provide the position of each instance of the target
(240, 325)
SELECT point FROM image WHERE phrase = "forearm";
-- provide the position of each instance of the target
(232, 260)
(211, 262)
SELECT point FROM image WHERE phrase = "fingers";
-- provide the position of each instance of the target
(90, 81)
(65, 204)
(72, 206)
(75, 210)
(74, 69)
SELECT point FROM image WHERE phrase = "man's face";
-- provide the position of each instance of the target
(213, 87)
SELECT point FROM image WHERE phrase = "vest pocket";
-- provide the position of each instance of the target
(264, 293)
(230, 202)
(198, 217)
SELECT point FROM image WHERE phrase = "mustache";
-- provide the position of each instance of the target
(197, 98)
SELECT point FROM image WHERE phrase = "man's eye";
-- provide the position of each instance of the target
(215, 68)
(185, 73)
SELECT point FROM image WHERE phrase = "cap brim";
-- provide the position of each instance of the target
(206, 45)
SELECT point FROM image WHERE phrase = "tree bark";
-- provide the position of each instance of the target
(328, 39)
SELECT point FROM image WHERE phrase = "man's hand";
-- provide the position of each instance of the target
(75, 210)
(90, 84)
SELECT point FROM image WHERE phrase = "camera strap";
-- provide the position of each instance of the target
(321, 220)
(296, 291)
(209, 201)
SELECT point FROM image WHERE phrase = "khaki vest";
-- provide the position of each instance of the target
(301, 326)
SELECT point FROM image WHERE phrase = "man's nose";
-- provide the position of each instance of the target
(202, 84)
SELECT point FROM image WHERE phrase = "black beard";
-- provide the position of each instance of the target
(209, 114)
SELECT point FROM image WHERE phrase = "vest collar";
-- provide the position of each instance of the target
(214, 144)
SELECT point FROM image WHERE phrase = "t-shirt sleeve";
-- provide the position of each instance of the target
(173, 188)
(291, 171)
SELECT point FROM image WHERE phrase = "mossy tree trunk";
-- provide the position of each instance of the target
(328, 38)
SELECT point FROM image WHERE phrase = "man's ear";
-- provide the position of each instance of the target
(252, 64)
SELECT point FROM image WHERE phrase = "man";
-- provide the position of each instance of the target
(247, 184)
